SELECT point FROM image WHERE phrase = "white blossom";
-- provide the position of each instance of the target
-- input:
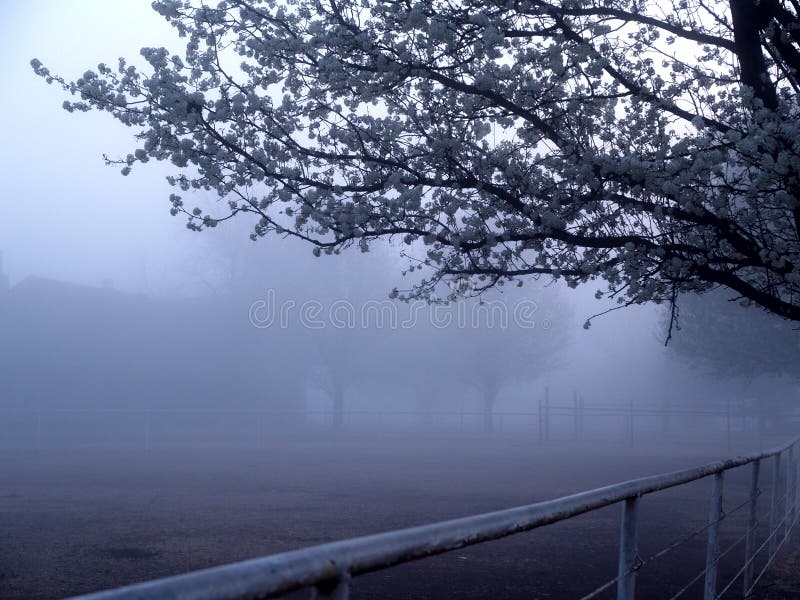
(499, 140)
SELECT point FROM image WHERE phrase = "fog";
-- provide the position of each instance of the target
(110, 303)
(121, 329)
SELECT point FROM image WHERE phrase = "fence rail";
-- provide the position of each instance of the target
(327, 569)
(146, 426)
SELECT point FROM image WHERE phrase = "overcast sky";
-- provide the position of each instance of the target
(63, 213)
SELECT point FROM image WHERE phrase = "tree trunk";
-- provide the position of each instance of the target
(749, 18)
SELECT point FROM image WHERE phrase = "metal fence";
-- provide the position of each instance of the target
(327, 570)
(163, 427)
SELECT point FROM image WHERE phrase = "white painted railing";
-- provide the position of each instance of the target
(328, 569)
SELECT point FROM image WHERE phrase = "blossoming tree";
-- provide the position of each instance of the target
(655, 145)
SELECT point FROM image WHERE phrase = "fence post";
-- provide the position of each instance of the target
(540, 423)
(712, 549)
(547, 414)
(575, 414)
(797, 490)
(630, 420)
(787, 526)
(750, 542)
(773, 504)
(728, 421)
(338, 589)
(628, 549)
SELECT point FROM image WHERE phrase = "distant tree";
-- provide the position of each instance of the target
(483, 344)
(716, 334)
(341, 359)
(654, 145)
(749, 346)
(352, 333)
(490, 343)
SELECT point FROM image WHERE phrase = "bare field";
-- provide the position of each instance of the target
(79, 520)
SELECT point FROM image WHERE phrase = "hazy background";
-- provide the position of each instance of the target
(149, 427)
(66, 217)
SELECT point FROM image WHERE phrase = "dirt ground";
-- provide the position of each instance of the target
(80, 520)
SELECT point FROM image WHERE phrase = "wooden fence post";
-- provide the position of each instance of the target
(547, 414)
(575, 414)
(630, 420)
